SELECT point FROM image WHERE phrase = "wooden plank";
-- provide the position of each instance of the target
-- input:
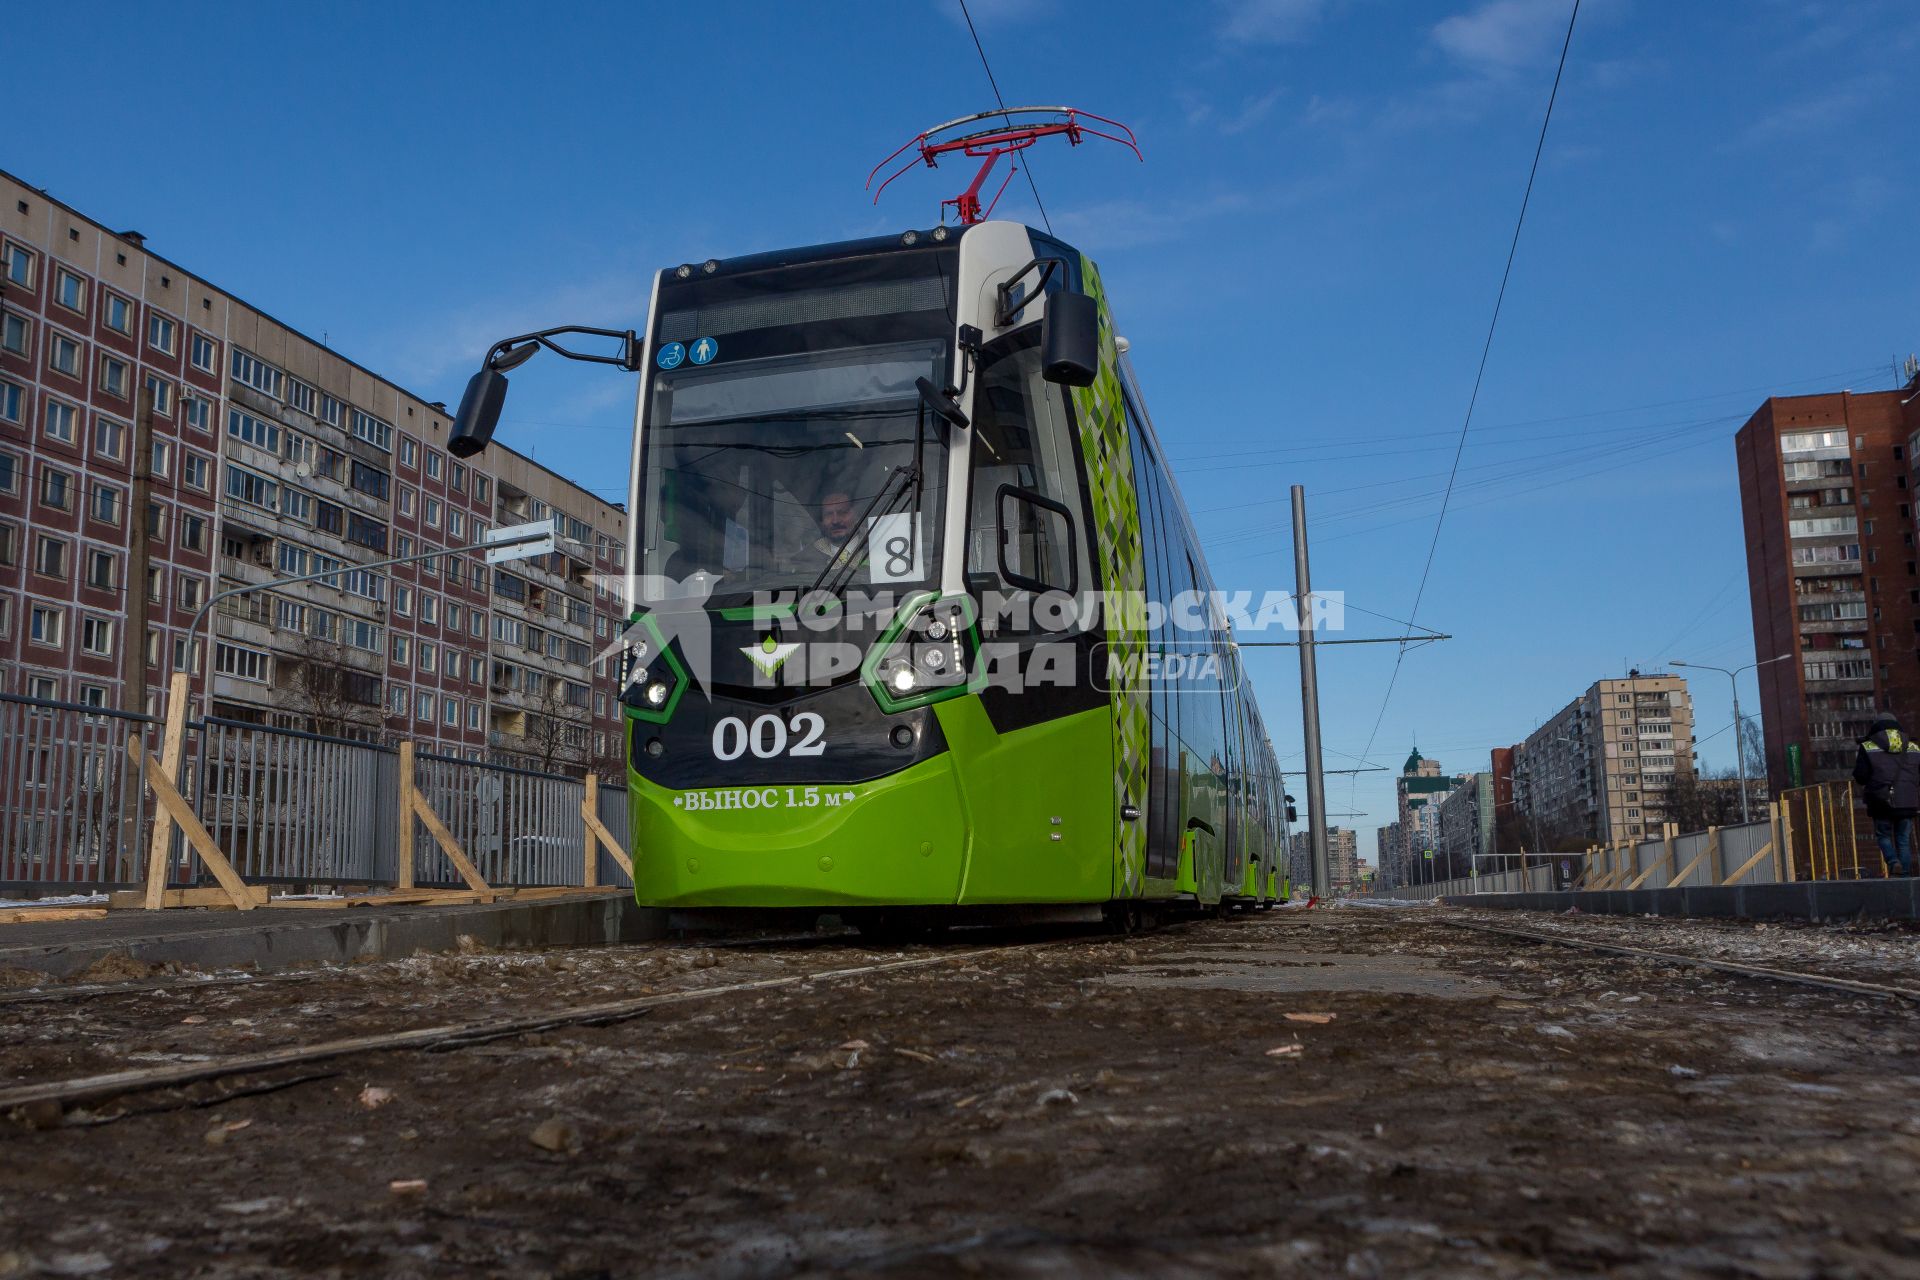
(418, 897)
(544, 892)
(1712, 848)
(1765, 850)
(123, 899)
(444, 838)
(41, 915)
(614, 850)
(172, 743)
(197, 836)
(407, 794)
(590, 874)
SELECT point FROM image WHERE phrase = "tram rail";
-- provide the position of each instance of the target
(1764, 972)
(105, 1086)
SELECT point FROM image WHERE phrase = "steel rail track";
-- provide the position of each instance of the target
(1702, 962)
(451, 1036)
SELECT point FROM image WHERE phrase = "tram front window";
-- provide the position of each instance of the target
(778, 473)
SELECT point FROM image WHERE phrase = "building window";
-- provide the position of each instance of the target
(119, 314)
(196, 470)
(15, 334)
(162, 459)
(473, 715)
(19, 263)
(204, 352)
(193, 532)
(331, 411)
(254, 431)
(399, 700)
(70, 291)
(450, 713)
(433, 465)
(162, 392)
(106, 503)
(433, 513)
(50, 557)
(63, 355)
(369, 480)
(429, 609)
(96, 636)
(402, 650)
(366, 532)
(113, 376)
(301, 396)
(480, 487)
(409, 452)
(60, 419)
(403, 600)
(9, 473)
(109, 439)
(375, 432)
(240, 662)
(161, 333)
(257, 490)
(56, 489)
(457, 478)
(12, 401)
(47, 626)
(256, 373)
(423, 706)
(199, 414)
(428, 657)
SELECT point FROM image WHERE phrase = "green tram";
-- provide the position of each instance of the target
(904, 497)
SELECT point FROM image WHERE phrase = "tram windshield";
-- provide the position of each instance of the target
(779, 473)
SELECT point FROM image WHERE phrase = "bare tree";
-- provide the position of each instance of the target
(337, 699)
(558, 736)
(1698, 800)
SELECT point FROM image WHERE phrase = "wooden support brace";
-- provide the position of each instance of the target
(1765, 851)
(590, 873)
(32, 915)
(173, 741)
(404, 876)
(186, 898)
(598, 830)
(176, 805)
(1712, 850)
(455, 855)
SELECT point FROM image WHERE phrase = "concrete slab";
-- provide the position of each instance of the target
(1805, 900)
(267, 939)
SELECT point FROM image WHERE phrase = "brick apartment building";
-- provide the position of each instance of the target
(273, 456)
(1601, 769)
(1827, 492)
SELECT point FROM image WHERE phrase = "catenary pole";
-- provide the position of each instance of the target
(1309, 698)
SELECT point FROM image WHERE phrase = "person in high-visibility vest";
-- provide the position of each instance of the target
(1887, 767)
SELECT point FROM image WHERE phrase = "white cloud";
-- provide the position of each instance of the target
(1251, 112)
(1501, 35)
(1270, 21)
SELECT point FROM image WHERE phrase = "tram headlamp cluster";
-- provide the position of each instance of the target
(684, 271)
(651, 677)
(924, 654)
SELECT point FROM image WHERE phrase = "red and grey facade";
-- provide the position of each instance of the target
(272, 455)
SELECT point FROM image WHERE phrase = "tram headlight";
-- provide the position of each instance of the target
(651, 677)
(657, 693)
(684, 271)
(924, 655)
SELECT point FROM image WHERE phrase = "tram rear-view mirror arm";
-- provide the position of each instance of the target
(486, 394)
(943, 405)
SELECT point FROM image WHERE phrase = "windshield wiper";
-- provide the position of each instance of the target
(911, 478)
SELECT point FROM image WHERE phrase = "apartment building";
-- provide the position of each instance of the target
(1465, 826)
(1827, 496)
(271, 457)
(1601, 768)
(1343, 860)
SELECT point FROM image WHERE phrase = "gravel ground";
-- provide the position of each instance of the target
(1439, 1102)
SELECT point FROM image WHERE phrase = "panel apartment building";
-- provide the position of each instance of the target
(1827, 495)
(273, 456)
(1600, 769)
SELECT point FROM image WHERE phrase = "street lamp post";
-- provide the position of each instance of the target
(1739, 731)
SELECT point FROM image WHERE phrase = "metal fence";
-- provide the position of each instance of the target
(1831, 835)
(71, 812)
(285, 807)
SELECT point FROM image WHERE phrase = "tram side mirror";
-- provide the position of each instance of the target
(943, 405)
(486, 395)
(1070, 339)
(479, 413)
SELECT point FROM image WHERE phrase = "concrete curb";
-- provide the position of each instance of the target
(267, 940)
(1807, 900)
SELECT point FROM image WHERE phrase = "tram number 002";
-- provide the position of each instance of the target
(769, 736)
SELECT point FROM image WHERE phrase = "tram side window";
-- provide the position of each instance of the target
(1022, 438)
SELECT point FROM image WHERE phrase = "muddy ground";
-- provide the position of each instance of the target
(1098, 1107)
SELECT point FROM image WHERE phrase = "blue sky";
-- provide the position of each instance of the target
(1305, 263)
